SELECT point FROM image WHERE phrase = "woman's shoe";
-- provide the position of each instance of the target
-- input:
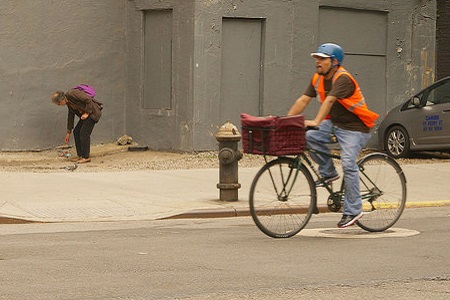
(83, 160)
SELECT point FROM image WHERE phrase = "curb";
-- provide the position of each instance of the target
(428, 204)
(245, 212)
(230, 212)
(210, 213)
(8, 220)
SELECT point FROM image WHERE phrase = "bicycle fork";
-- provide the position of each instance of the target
(287, 182)
(373, 192)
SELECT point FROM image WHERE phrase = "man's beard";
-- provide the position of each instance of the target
(322, 72)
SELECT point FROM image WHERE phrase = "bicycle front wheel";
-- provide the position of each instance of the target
(282, 197)
(383, 192)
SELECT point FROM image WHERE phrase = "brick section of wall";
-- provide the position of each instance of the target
(443, 39)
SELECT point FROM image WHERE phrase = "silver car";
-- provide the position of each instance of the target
(420, 124)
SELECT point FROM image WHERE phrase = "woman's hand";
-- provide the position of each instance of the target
(84, 116)
(67, 138)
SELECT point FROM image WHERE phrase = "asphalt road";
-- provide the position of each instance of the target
(224, 259)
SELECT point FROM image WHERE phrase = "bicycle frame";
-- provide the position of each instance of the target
(302, 158)
(310, 164)
(372, 193)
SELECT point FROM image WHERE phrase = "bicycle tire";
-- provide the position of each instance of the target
(383, 210)
(281, 200)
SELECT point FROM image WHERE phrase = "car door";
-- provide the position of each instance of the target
(430, 123)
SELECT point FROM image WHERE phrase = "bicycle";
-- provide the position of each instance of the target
(283, 194)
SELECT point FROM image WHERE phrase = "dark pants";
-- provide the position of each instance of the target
(82, 135)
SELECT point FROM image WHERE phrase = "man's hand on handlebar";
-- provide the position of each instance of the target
(311, 123)
(312, 128)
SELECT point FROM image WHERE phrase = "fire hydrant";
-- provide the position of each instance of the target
(228, 137)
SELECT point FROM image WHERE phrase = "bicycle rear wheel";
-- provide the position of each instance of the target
(281, 199)
(383, 192)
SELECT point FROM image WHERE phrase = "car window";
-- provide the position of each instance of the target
(439, 94)
(409, 104)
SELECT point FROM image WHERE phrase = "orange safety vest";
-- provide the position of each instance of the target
(355, 103)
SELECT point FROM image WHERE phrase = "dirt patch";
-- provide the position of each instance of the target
(112, 157)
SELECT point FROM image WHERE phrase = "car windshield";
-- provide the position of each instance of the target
(440, 94)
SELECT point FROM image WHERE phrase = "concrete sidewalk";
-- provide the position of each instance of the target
(149, 195)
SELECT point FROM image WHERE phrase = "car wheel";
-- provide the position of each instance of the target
(396, 142)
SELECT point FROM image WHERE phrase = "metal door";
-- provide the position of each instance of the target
(363, 36)
(241, 68)
(158, 59)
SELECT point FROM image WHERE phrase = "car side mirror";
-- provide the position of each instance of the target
(415, 101)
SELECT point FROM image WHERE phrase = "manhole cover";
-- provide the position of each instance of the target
(357, 233)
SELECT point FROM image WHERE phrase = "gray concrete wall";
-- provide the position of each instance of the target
(411, 48)
(291, 34)
(169, 129)
(54, 45)
(50, 45)
(279, 74)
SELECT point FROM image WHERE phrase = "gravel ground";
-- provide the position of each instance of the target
(114, 158)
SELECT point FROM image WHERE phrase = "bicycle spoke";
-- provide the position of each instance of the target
(281, 202)
(383, 191)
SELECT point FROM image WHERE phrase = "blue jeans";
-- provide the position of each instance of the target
(351, 143)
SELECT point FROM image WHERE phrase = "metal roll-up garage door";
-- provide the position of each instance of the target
(363, 36)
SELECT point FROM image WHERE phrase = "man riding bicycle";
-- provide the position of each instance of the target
(344, 113)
